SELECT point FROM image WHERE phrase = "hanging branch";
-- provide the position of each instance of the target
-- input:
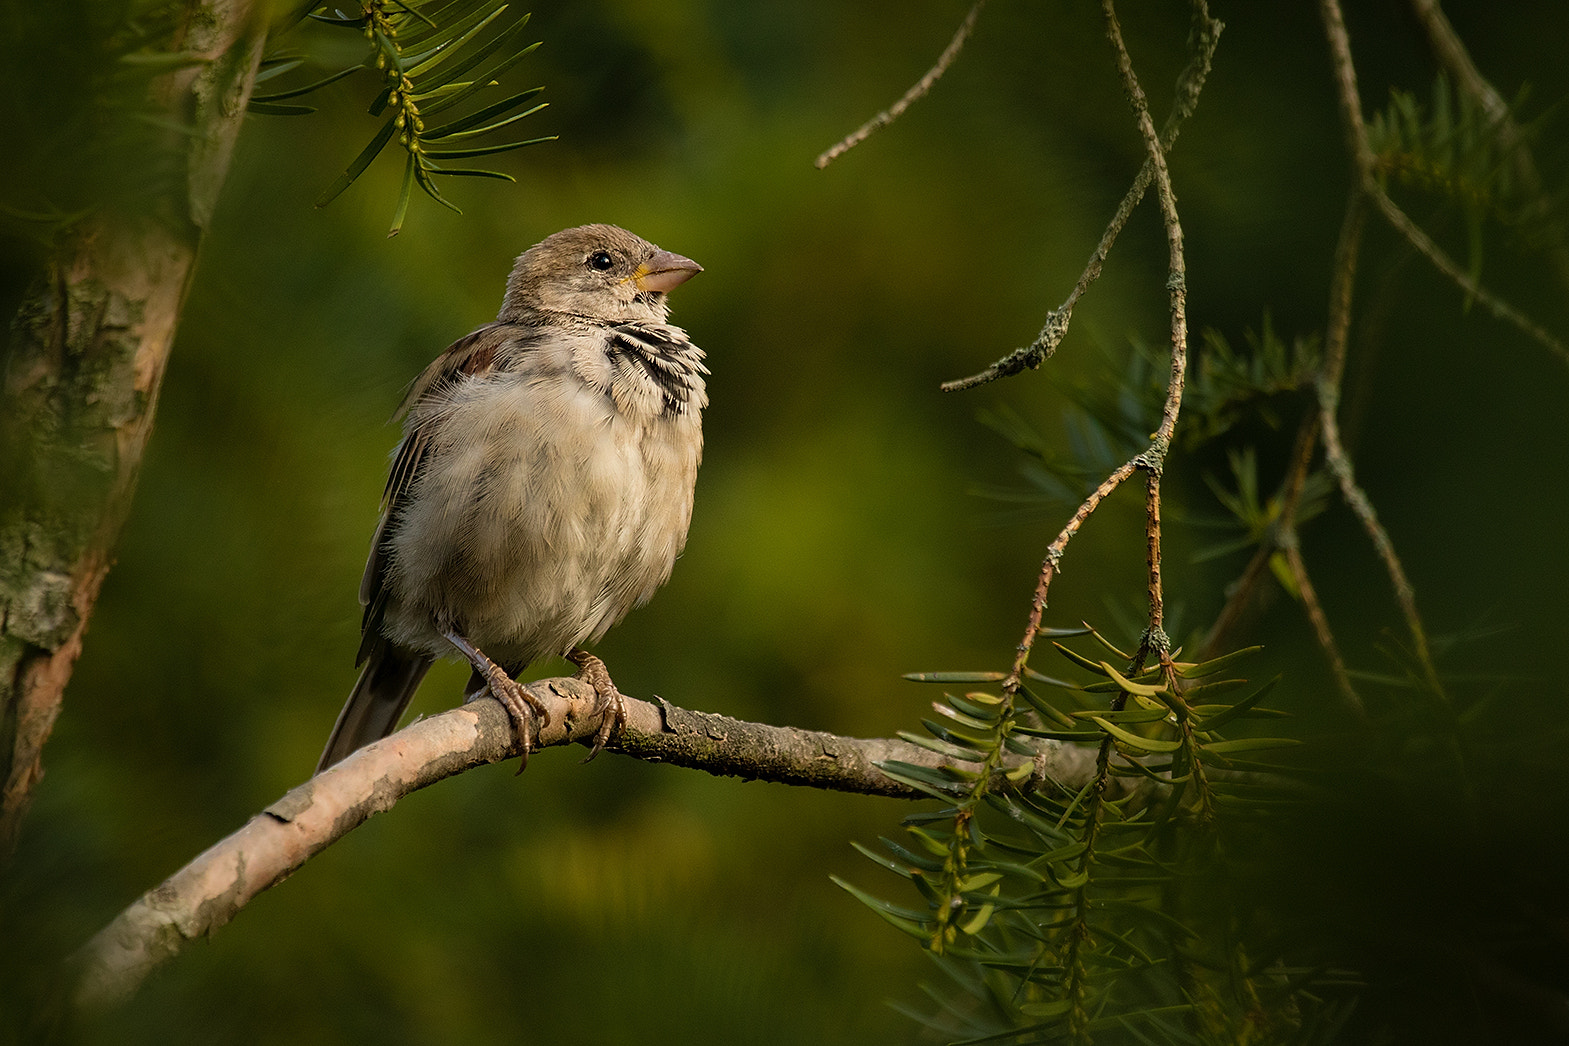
(1328, 385)
(1202, 41)
(1452, 55)
(1153, 460)
(1365, 162)
(913, 95)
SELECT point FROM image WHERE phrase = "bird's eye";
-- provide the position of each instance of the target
(601, 260)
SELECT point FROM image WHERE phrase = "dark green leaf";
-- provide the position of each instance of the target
(911, 922)
(893, 866)
(430, 189)
(1242, 707)
(909, 857)
(361, 162)
(469, 172)
(1249, 744)
(378, 104)
(502, 40)
(1128, 715)
(1080, 660)
(391, 50)
(478, 117)
(1209, 668)
(1040, 677)
(307, 89)
(942, 748)
(358, 23)
(459, 154)
(274, 109)
(1132, 740)
(955, 677)
(410, 169)
(478, 83)
(416, 66)
(276, 67)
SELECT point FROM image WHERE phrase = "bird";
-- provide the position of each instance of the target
(542, 488)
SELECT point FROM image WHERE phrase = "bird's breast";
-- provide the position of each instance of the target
(545, 511)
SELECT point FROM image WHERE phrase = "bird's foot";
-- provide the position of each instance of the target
(609, 705)
(528, 713)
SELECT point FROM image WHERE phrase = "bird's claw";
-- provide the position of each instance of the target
(528, 713)
(609, 705)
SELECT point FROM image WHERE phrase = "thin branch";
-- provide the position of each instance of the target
(1153, 459)
(1176, 287)
(1337, 341)
(1049, 569)
(1452, 55)
(1308, 596)
(1328, 385)
(1357, 500)
(913, 95)
(1203, 39)
(211, 890)
(1367, 176)
(1501, 309)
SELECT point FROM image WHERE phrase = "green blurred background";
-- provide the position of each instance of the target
(837, 541)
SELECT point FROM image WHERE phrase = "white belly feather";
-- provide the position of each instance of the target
(544, 533)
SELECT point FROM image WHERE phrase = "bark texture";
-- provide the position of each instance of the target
(80, 386)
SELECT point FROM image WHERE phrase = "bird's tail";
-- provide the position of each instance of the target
(378, 700)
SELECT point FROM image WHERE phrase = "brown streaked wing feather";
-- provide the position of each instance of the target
(472, 354)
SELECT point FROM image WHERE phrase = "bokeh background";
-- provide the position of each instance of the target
(838, 540)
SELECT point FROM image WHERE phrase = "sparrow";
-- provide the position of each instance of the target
(542, 488)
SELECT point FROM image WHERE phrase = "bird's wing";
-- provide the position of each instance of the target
(472, 355)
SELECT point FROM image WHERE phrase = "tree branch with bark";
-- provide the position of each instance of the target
(216, 885)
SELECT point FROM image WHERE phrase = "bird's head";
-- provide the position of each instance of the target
(596, 271)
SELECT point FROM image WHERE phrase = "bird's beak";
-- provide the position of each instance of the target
(665, 271)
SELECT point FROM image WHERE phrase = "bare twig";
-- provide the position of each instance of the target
(210, 891)
(1452, 55)
(1367, 177)
(1203, 39)
(1176, 287)
(1328, 385)
(1337, 340)
(1049, 570)
(1152, 460)
(1501, 309)
(1308, 596)
(913, 95)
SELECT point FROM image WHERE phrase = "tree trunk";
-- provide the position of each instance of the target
(80, 389)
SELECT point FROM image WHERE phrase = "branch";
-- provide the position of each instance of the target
(913, 95)
(212, 889)
(1152, 460)
(1337, 337)
(1203, 39)
(1365, 163)
(1176, 287)
(1453, 56)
